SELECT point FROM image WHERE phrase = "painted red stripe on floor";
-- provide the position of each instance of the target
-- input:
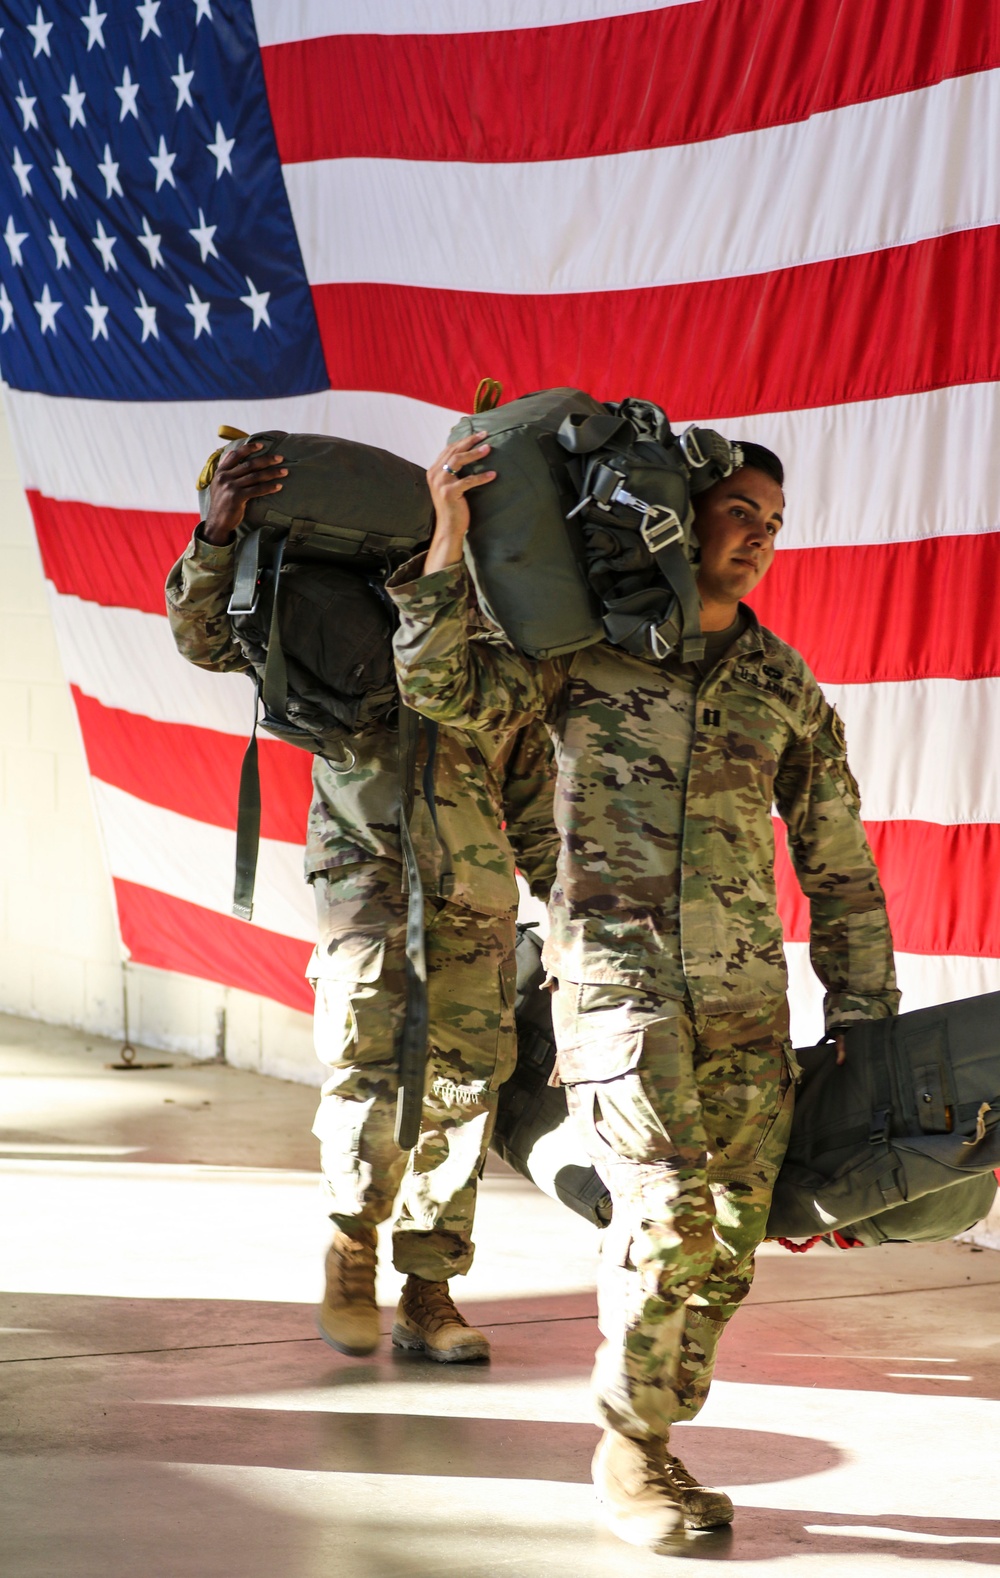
(614, 84)
(195, 772)
(815, 335)
(889, 611)
(940, 887)
(119, 558)
(171, 934)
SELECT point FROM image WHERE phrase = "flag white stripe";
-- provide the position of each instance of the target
(751, 203)
(119, 454)
(875, 471)
(922, 750)
(195, 861)
(127, 659)
(924, 980)
(290, 21)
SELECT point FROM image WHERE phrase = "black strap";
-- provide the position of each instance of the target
(248, 821)
(446, 880)
(411, 1043)
(675, 567)
(275, 683)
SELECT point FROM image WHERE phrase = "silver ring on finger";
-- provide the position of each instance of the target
(450, 471)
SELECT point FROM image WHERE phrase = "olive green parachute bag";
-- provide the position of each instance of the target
(869, 1155)
(585, 534)
(310, 612)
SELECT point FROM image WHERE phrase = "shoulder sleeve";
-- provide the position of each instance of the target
(850, 942)
(447, 674)
(198, 591)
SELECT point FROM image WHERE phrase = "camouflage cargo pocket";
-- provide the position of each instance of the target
(345, 976)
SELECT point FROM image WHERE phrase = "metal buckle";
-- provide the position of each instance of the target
(691, 449)
(659, 648)
(661, 528)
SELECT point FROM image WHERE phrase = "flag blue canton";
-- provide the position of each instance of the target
(147, 249)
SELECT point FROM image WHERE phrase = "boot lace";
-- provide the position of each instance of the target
(355, 1269)
(430, 1305)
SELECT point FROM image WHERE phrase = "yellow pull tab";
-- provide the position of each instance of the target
(487, 397)
(208, 469)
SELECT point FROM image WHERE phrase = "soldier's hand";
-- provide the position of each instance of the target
(451, 507)
(240, 476)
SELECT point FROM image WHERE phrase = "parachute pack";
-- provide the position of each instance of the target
(896, 1145)
(586, 533)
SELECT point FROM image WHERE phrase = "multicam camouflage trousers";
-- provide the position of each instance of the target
(358, 971)
(688, 1134)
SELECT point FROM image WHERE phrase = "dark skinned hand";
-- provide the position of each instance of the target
(240, 476)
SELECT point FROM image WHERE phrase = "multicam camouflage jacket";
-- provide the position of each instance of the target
(664, 796)
(480, 780)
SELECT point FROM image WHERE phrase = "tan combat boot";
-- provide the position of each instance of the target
(636, 1499)
(427, 1322)
(703, 1508)
(348, 1316)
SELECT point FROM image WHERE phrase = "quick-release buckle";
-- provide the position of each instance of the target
(661, 527)
(881, 1126)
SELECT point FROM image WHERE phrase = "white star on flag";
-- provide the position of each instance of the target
(22, 171)
(15, 240)
(73, 100)
(203, 235)
(109, 170)
(6, 305)
(97, 314)
(222, 147)
(127, 93)
(64, 175)
(147, 12)
(257, 302)
(199, 311)
(58, 247)
(182, 82)
(27, 107)
(151, 243)
(47, 309)
(94, 23)
(202, 8)
(105, 245)
(147, 317)
(163, 163)
(40, 30)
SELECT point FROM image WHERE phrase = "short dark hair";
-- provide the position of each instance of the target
(762, 459)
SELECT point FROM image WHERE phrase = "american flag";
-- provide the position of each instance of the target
(779, 217)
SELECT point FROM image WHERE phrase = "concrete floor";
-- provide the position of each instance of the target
(167, 1412)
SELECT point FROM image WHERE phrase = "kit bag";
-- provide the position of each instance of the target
(869, 1154)
(310, 611)
(534, 1133)
(914, 1110)
(585, 534)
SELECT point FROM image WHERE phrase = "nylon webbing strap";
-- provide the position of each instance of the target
(275, 687)
(446, 881)
(411, 1045)
(243, 599)
(672, 563)
(248, 822)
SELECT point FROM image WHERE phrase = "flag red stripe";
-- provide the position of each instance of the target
(195, 772)
(815, 335)
(889, 611)
(119, 558)
(617, 83)
(940, 887)
(171, 934)
(876, 612)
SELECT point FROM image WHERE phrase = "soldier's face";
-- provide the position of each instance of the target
(736, 523)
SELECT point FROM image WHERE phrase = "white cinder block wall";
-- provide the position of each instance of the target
(59, 953)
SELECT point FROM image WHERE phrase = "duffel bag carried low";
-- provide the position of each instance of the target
(914, 1109)
(843, 1169)
(585, 534)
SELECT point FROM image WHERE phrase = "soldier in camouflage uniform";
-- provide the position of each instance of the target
(354, 862)
(665, 951)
